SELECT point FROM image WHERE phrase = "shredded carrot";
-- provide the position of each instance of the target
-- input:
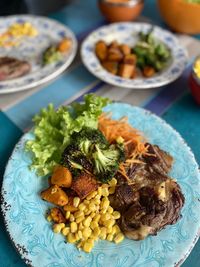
(135, 143)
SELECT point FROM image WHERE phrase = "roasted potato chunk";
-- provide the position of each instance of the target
(101, 50)
(130, 59)
(65, 45)
(125, 49)
(55, 195)
(126, 70)
(70, 207)
(61, 176)
(113, 44)
(84, 184)
(57, 215)
(114, 54)
(110, 66)
(148, 71)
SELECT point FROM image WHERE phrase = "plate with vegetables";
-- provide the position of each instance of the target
(101, 183)
(134, 55)
(34, 50)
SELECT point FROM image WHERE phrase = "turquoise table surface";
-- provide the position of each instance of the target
(173, 103)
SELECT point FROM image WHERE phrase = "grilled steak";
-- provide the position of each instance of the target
(150, 200)
(11, 68)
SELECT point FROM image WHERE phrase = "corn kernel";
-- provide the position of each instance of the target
(80, 234)
(93, 225)
(78, 214)
(105, 203)
(98, 197)
(92, 215)
(119, 238)
(109, 237)
(110, 210)
(80, 244)
(49, 218)
(111, 190)
(92, 207)
(116, 229)
(113, 182)
(57, 228)
(87, 221)
(71, 238)
(82, 206)
(105, 192)
(87, 246)
(105, 217)
(86, 232)
(103, 211)
(109, 223)
(77, 237)
(73, 227)
(65, 231)
(102, 234)
(86, 202)
(116, 215)
(81, 226)
(91, 195)
(96, 217)
(87, 212)
(96, 231)
(67, 214)
(109, 230)
(80, 219)
(71, 218)
(76, 201)
(90, 240)
(99, 191)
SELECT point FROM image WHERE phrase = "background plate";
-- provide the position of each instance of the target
(31, 49)
(128, 33)
(24, 211)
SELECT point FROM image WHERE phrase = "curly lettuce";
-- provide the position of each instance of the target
(53, 129)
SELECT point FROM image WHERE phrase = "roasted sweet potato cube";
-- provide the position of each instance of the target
(70, 207)
(55, 195)
(130, 59)
(57, 215)
(114, 54)
(84, 184)
(126, 70)
(61, 176)
(101, 50)
(125, 49)
(113, 44)
(148, 71)
(110, 66)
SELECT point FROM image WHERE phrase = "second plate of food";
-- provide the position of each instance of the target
(134, 55)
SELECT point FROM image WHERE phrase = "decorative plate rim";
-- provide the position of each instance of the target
(59, 70)
(102, 74)
(22, 250)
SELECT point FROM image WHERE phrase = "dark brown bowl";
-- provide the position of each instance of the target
(121, 11)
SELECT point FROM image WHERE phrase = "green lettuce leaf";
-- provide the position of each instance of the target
(53, 129)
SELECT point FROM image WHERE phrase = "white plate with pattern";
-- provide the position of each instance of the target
(31, 49)
(127, 32)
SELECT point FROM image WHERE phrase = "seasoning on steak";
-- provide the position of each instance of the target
(150, 200)
(11, 68)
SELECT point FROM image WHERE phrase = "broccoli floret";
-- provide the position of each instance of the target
(75, 160)
(106, 161)
(87, 138)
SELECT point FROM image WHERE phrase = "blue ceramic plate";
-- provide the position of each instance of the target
(24, 211)
(128, 33)
(31, 49)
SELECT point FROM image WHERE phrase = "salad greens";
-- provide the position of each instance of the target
(53, 130)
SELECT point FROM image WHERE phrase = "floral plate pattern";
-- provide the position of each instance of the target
(31, 49)
(24, 211)
(128, 33)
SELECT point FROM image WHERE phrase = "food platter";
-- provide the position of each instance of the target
(127, 33)
(24, 211)
(31, 49)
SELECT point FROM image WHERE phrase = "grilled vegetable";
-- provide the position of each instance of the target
(57, 215)
(61, 177)
(55, 195)
(101, 50)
